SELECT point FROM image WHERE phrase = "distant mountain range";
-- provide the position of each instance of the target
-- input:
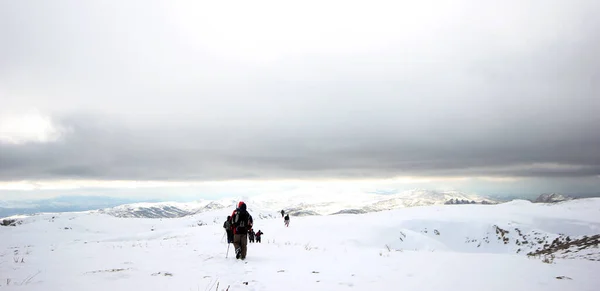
(299, 205)
(164, 209)
(60, 204)
(262, 206)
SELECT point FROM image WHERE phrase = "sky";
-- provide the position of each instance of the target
(169, 99)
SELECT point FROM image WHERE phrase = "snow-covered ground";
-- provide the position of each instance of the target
(446, 247)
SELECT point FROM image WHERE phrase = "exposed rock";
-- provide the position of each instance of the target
(464, 201)
(565, 245)
(302, 213)
(551, 198)
(10, 222)
(350, 211)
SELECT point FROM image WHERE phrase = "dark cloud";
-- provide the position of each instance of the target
(94, 150)
(143, 93)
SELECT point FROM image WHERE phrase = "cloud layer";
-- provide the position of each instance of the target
(153, 90)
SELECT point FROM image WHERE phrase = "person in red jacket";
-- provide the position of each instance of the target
(258, 236)
(241, 222)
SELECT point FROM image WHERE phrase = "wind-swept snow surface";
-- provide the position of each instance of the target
(451, 247)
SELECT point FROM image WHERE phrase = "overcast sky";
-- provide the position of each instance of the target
(480, 96)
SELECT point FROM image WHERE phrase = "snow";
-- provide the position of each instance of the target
(317, 203)
(444, 247)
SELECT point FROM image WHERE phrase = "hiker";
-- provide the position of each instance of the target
(228, 230)
(282, 212)
(287, 220)
(258, 235)
(251, 235)
(241, 222)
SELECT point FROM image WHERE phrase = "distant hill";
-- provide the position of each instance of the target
(551, 198)
(61, 204)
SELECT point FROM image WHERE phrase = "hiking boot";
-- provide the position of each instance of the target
(238, 253)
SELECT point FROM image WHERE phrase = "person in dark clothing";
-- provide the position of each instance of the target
(258, 235)
(251, 235)
(241, 222)
(286, 220)
(228, 230)
(282, 213)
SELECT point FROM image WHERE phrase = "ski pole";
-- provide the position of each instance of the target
(227, 254)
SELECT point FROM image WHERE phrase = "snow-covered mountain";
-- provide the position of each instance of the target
(61, 204)
(297, 205)
(166, 209)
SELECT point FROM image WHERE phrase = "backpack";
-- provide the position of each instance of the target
(241, 221)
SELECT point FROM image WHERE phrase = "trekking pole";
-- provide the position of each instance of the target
(227, 254)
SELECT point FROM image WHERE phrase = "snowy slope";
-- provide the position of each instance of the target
(446, 247)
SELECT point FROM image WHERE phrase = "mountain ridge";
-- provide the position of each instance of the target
(297, 205)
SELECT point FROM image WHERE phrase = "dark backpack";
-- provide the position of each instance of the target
(241, 221)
